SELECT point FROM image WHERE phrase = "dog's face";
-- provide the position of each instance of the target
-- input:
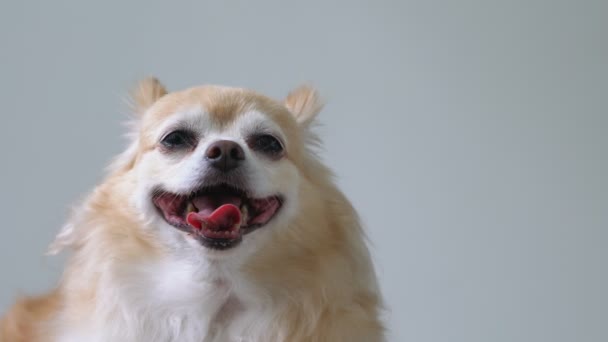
(217, 169)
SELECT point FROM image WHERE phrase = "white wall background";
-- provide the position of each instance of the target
(472, 136)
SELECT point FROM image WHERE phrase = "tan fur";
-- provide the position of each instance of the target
(318, 267)
(145, 94)
(304, 103)
(25, 322)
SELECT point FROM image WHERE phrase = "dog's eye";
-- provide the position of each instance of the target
(266, 143)
(177, 140)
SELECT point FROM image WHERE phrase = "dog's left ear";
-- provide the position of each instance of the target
(145, 94)
(304, 103)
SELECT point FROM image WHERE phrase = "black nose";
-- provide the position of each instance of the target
(225, 155)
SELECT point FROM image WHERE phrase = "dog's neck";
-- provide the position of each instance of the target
(165, 301)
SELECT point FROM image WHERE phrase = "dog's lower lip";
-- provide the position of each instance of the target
(219, 244)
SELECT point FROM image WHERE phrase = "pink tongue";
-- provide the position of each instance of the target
(208, 204)
(224, 218)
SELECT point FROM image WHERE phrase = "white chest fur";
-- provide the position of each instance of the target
(172, 302)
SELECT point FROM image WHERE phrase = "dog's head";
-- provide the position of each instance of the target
(214, 169)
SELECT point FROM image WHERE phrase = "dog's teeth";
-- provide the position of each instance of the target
(244, 214)
(191, 208)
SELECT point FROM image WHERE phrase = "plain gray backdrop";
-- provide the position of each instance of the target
(471, 135)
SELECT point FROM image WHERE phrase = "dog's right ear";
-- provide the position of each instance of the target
(145, 94)
(142, 97)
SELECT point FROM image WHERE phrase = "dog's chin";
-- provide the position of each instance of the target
(218, 217)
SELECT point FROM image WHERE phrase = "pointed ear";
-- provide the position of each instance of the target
(148, 91)
(304, 103)
(141, 97)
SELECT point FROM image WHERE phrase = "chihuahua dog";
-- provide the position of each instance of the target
(218, 223)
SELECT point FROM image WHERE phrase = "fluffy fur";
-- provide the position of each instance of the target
(305, 276)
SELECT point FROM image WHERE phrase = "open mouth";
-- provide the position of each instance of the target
(216, 216)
